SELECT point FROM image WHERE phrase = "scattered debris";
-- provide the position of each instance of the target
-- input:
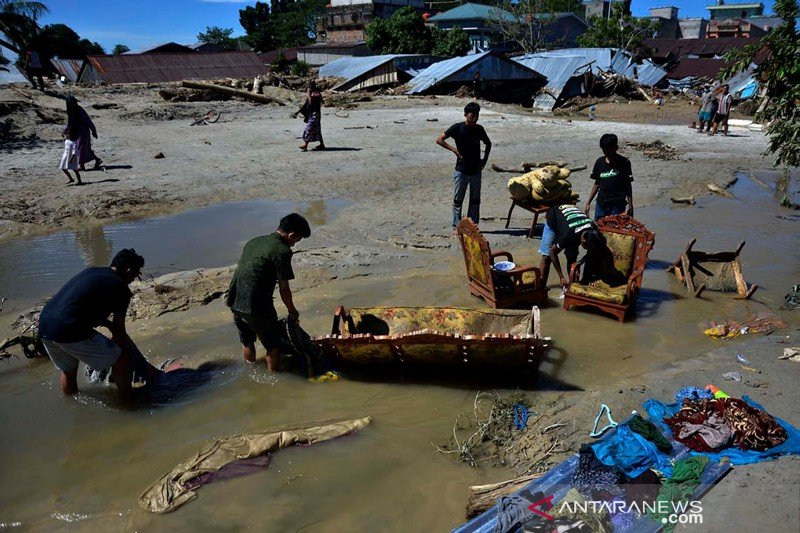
(791, 354)
(793, 298)
(656, 150)
(159, 155)
(716, 189)
(106, 105)
(765, 322)
(209, 118)
(432, 119)
(684, 200)
(785, 202)
(482, 497)
(360, 127)
(732, 376)
(258, 98)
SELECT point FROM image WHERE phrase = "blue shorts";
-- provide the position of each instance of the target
(705, 116)
(549, 239)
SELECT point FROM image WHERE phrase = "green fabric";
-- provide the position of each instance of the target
(680, 486)
(265, 260)
(648, 430)
(598, 522)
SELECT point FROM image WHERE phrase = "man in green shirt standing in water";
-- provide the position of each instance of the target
(266, 261)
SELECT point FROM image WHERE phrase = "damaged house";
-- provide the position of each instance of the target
(372, 72)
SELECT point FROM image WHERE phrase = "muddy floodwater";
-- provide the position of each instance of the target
(84, 462)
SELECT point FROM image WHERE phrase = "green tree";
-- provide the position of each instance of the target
(617, 31)
(120, 49)
(219, 37)
(286, 24)
(780, 74)
(62, 41)
(450, 43)
(18, 26)
(402, 33)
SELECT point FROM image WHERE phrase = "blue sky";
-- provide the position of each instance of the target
(139, 23)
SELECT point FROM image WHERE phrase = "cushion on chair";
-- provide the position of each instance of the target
(476, 268)
(624, 249)
(599, 290)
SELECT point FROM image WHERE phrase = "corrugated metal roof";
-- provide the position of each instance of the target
(473, 11)
(557, 70)
(69, 68)
(491, 65)
(154, 68)
(352, 67)
(696, 67)
(698, 47)
(613, 60)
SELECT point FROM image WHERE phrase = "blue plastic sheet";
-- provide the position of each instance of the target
(659, 411)
(631, 453)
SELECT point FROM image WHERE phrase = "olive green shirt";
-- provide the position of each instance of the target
(265, 261)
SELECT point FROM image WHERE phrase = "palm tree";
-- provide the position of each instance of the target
(18, 25)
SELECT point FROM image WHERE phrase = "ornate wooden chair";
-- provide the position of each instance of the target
(720, 271)
(613, 286)
(522, 285)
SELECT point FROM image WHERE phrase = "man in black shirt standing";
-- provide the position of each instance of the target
(612, 177)
(468, 135)
(68, 321)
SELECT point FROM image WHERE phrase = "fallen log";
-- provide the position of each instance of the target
(482, 497)
(498, 168)
(686, 200)
(539, 164)
(525, 169)
(259, 98)
(719, 190)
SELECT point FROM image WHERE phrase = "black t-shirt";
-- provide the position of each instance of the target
(614, 179)
(567, 221)
(82, 304)
(468, 141)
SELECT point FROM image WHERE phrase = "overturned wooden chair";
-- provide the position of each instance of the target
(720, 271)
(522, 285)
(629, 242)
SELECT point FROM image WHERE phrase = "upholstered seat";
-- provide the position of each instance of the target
(611, 281)
(522, 285)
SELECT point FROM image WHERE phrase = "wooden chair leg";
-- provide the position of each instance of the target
(533, 226)
(508, 218)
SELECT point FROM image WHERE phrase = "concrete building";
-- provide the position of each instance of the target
(344, 21)
(602, 8)
(723, 11)
(672, 27)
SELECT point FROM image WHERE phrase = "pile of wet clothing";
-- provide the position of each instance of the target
(710, 425)
(640, 468)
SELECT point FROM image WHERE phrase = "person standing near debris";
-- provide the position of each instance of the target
(313, 118)
(468, 136)
(708, 108)
(81, 125)
(612, 177)
(724, 103)
(566, 228)
(33, 69)
(67, 323)
(266, 261)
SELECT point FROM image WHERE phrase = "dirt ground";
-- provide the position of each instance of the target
(380, 152)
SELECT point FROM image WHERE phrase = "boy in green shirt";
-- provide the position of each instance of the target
(266, 261)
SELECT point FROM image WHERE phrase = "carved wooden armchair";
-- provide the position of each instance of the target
(522, 285)
(613, 286)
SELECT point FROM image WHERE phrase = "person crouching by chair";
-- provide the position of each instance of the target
(266, 261)
(68, 321)
(566, 228)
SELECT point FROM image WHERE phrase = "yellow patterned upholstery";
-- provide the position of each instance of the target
(476, 268)
(394, 320)
(624, 249)
(600, 290)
